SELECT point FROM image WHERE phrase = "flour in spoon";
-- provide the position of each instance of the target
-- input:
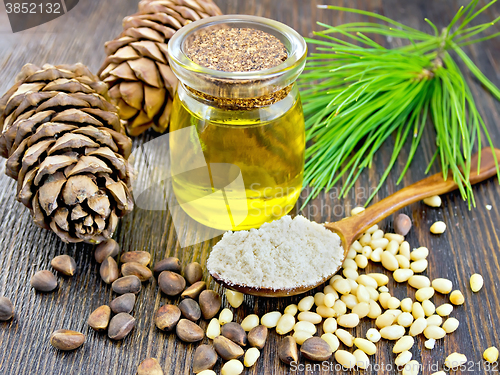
(284, 254)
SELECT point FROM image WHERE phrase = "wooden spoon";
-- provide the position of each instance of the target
(350, 228)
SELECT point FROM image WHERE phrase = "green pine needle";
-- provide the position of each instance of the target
(357, 93)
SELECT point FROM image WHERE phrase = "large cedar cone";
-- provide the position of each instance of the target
(67, 150)
(136, 68)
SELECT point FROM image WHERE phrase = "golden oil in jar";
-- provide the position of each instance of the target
(267, 147)
(237, 135)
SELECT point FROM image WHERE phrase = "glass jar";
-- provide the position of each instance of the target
(237, 138)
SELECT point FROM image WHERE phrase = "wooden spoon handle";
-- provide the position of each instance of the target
(353, 226)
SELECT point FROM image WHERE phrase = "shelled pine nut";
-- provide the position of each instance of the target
(450, 325)
(362, 309)
(406, 304)
(329, 299)
(345, 337)
(457, 298)
(389, 261)
(429, 344)
(373, 335)
(346, 359)
(405, 343)
(419, 253)
(403, 261)
(405, 319)
(404, 249)
(455, 360)
(291, 310)
(444, 310)
(305, 327)
(417, 310)
(419, 265)
(319, 299)
(418, 326)
(476, 282)
(348, 320)
(213, 329)
(434, 320)
(376, 255)
(250, 321)
(325, 311)
(285, 324)
(365, 345)
(491, 354)
(403, 358)
(434, 332)
(393, 332)
(429, 307)
(331, 340)
(401, 275)
(309, 316)
(362, 360)
(424, 294)
(270, 320)
(301, 336)
(438, 227)
(306, 303)
(441, 285)
(419, 281)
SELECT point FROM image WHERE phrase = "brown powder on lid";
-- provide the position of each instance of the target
(236, 50)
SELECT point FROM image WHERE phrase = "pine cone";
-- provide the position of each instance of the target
(67, 150)
(136, 68)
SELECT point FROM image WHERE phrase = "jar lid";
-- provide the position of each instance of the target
(237, 84)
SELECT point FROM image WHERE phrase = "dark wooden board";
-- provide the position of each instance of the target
(471, 243)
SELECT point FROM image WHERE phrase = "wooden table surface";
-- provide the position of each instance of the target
(471, 243)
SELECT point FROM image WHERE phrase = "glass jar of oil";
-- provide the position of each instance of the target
(237, 137)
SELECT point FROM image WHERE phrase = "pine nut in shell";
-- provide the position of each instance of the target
(44, 281)
(457, 298)
(438, 227)
(6, 309)
(107, 248)
(172, 264)
(287, 350)
(455, 360)
(109, 270)
(204, 358)
(193, 272)
(189, 331)
(251, 357)
(405, 343)
(149, 366)
(476, 282)
(373, 335)
(285, 324)
(99, 319)
(257, 336)
(491, 354)
(167, 317)
(137, 269)
(441, 285)
(120, 326)
(235, 333)
(402, 224)
(316, 349)
(64, 264)
(126, 284)
(232, 367)
(227, 349)
(210, 303)
(64, 339)
(250, 321)
(171, 283)
(346, 359)
(362, 360)
(190, 309)
(193, 291)
(124, 303)
(365, 345)
(141, 257)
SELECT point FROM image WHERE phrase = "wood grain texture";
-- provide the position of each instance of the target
(471, 243)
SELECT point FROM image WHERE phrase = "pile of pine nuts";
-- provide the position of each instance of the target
(352, 295)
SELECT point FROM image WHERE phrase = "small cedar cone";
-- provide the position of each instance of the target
(136, 67)
(67, 150)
